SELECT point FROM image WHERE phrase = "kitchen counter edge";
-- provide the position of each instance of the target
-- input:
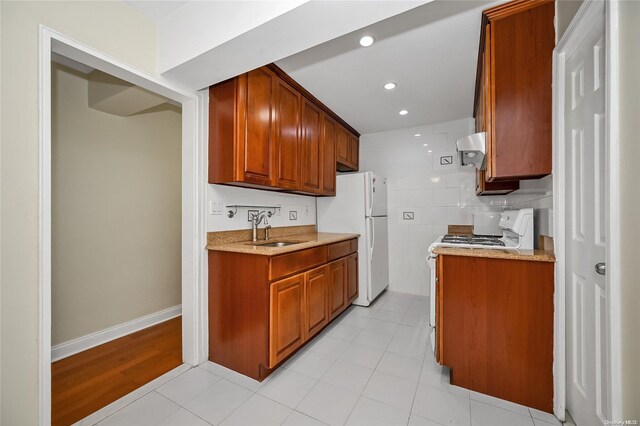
(531, 255)
(309, 241)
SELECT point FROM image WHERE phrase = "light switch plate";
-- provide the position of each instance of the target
(251, 214)
(407, 215)
(293, 215)
(215, 207)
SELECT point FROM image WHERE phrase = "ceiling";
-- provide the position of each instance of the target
(156, 10)
(430, 52)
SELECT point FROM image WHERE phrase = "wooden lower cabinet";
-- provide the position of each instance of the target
(494, 327)
(262, 309)
(287, 326)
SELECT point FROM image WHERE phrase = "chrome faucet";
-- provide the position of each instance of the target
(255, 221)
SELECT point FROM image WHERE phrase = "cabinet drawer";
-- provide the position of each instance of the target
(290, 263)
(342, 249)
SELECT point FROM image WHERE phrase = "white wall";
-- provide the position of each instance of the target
(630, 205)
(305, 207)
(111, 27)
(116, 211)
(437, 195)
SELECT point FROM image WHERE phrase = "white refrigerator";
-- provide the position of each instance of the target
(360, 206)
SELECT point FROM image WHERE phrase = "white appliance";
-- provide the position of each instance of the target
(517, 234)
(360, 206)
(487, 223)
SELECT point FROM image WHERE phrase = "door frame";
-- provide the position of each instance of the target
(194, 155)
(578, 28)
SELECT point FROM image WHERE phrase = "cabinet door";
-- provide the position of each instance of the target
(342, 145)
(286, 318)
(337, 287)
(311, 148)
(352, 277)
(354, 152)
(328, 155)
(287, 135)
(316, 296)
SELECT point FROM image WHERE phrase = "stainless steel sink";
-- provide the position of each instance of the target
(277, 243)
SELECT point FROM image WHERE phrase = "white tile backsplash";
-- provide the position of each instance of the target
(305, 207)
(438, 195)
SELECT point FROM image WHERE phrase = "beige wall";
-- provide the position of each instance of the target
(111, 27)
(565, 11)
(116, 211)
(630, 196)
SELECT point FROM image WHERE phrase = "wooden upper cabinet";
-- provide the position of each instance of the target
(347, 150)
(287, 136)
(287, 318)
(311, 147)
(316, 297)
(328, 139)
(266, 131)
(240, 117)
(513, 88)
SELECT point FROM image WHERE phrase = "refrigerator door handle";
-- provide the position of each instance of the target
(373, 235)
(371, 191)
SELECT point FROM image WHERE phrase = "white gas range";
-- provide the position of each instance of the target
(517, 234)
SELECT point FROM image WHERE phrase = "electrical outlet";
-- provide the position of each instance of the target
(251, 214)
(407, 215)
(293, 215)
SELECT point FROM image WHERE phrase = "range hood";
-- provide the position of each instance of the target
(472, 149)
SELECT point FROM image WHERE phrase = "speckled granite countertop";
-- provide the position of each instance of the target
(533, 255)
(306, 240)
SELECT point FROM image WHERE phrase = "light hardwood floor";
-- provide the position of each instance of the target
(83, 383)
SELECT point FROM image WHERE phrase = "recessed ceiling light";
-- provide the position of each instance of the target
(390, 85)
(403, 112)
(429, 151)
(417, 135)
(366, 41)
(425, 144)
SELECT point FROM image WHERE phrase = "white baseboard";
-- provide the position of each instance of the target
(89, 341)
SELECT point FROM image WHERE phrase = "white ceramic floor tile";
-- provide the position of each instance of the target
(414, 320)
(347, 375)
(366, 356)
(545, 417)
(258, 410)
(415, 420)
(391, 390)
(433, 374)
(411, 348)
(396, 306)
(344, 332)
(365, 311)
(288, 387)
(246, 382)
(299, 419)
(188, 385)
(500, 403)
(183, 417)
(312, 364)
(216, 369)
(389, 316)
(217, 402)
(490, 415)
(148, 410)
(355, 320)
(400, 365)
(419, 308)
(329, 404)
(375, 340)
(382, 327)
(413, 333)
(368, 412)
(441, 406)
(329, 345)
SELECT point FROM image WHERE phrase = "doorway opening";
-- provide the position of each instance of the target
(191, 257)
(116, 238)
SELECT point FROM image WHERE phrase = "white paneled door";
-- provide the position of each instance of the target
(588, 395)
